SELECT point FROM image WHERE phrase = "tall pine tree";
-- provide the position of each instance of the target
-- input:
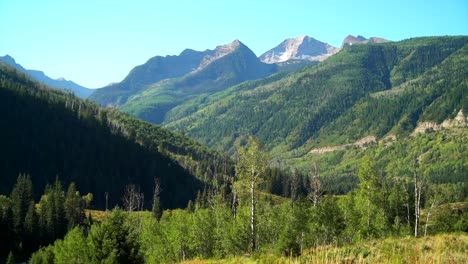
(21, 197)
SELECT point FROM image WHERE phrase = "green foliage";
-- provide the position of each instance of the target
(253, 161)
(43, 256)
(291, 238)
(52, 213)
(21, 197)
(74, 207)
(115, 240)
(41, 225)
(326, 223)
(369, 201)
(10, 259)
(73, 249)
(52, 134)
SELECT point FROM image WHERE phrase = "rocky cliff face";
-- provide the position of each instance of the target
(459, 121)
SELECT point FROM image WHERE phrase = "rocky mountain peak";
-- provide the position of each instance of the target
(8, 59)
(219, 52)
(302, 48)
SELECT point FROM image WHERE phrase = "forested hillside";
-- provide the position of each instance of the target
(49, 134)
(371, 89)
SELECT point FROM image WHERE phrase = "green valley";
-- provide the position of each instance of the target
(359, 158)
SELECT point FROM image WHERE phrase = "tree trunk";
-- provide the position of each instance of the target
(427, 219)
(408, 214)
(252, 217)
(417, 201)
(234, 204)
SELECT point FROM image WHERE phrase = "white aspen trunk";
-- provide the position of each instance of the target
(427, 219)
(252, 216)
(417, 197)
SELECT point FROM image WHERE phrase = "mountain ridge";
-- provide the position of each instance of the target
(60, 83)
(350, 40)
(221, 68)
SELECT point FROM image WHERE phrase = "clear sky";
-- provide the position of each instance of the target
(96, 42)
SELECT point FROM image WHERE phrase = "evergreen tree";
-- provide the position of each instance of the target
(74, 207)
(115, 240)
(59, 202)
(52, 220)
(156, 209)
(30, 240)
(6, 226)
(10, 259)
(21, 196)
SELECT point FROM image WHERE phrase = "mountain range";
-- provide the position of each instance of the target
(228, 92)
(366, 93)
(164, 88)
(39, 76)
(217, 96)
(160, 88)
(363, 90)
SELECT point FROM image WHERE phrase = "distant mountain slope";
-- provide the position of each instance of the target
(304, 109)
(300, 48)
(60, 83)
(49, 134)
(228, 65)
(155, 69)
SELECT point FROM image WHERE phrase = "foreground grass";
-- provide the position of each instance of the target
(445, 248)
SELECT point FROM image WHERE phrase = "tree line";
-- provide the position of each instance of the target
(249, 220)
(26, 225)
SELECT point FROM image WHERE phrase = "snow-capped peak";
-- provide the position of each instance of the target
(303, 48)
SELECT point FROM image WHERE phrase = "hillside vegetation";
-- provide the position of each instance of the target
(364, 90)
(51, 134)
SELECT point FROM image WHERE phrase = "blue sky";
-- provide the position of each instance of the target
(97, 42)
